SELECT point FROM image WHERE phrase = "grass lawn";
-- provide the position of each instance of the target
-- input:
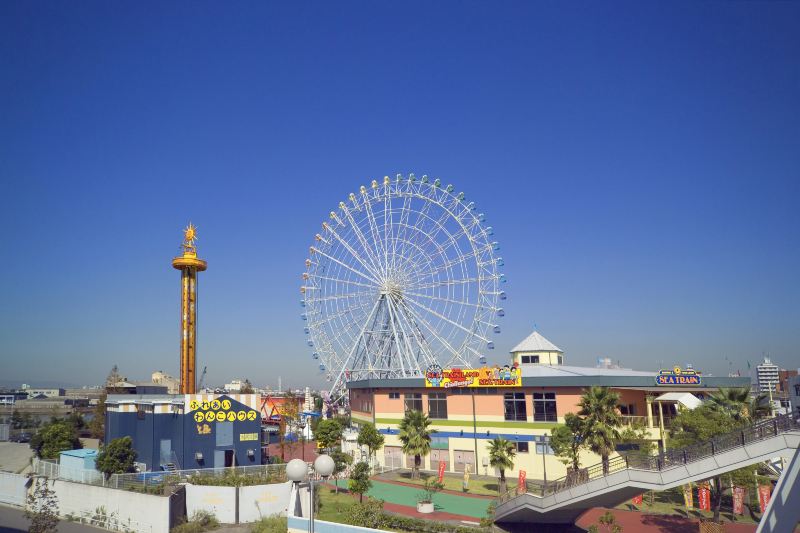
(333, 506)
(670, 502)
(477, 484)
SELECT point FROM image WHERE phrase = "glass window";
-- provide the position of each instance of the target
(530, 359)
(514, 404)
(544, 407)
(413, 401)
(437, 405)
(522, 447)
(440, 443)
(394, 395)
(560, 359)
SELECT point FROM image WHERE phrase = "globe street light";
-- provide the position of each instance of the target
(297, 471)
(323, 466)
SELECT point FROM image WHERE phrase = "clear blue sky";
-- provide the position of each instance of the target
(638, 161)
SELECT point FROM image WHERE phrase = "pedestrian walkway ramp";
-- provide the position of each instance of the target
(562, 501)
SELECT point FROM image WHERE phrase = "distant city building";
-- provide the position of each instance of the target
(44, 393)
(767, 376)
(172, 383)
(234, 386)
(536, 350)
(784, 390)
(794, 392)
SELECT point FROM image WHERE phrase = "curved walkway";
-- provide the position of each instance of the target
(562, 502)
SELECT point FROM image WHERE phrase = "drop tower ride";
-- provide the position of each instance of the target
(189, 265)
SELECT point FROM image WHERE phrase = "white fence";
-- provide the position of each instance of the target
(13, 488)
(155, 482)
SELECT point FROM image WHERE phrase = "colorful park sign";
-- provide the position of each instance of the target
(496, 376)
(678, 376)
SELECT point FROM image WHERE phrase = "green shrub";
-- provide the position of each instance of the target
(367, 514)
(231, 478)
(200, 521)
(270, 524)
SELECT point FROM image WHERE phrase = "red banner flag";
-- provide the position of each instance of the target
(764, 492)
(688, 497)
(442, 466)
(521, 483)
(738, 500)
(637, 500)
(703, 497)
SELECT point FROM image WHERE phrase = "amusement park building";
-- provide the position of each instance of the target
(523, 409)
(188, 430)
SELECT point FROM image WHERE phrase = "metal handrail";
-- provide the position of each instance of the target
(738, 438)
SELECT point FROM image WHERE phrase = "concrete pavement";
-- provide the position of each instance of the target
(12, 520)
(15, 457)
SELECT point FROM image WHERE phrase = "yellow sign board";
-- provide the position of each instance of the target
(496, 376)
(248, 436)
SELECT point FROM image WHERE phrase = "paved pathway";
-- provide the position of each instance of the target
(15, 456)
(12, 520)
(650, 523)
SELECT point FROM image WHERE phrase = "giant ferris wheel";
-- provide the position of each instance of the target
(402, 276)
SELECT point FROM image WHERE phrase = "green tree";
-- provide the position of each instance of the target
(341, 461)
(637, 435)
(359, 480)
(607, 523)
(370, 437)
(329, 433)
(42, 509)
(76, 421)
(116, 457)
(567, 441)
(16, 420)
(247, 387)
(699, 425)
(739, 405)
(415, 436)
(601, 420)
(97, 424)
(54, 438)
(501, 457)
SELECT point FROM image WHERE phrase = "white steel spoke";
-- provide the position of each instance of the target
(434, 313)
(376, 237)
(351, 269)
(350, 249)
(361, 238)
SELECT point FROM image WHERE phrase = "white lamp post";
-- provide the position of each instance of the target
(297, 471)
(323, 466)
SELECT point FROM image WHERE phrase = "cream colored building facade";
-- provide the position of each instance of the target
(467, 419)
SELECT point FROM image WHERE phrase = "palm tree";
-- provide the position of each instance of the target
(501, 457)
(598, 409)
(416, 437)
(738, 404)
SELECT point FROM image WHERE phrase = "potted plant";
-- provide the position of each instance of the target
(425, 498)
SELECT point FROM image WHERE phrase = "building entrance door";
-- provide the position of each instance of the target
(462, 458)
(440, 455)
(230, 458)
(166, 452)
(393, 456)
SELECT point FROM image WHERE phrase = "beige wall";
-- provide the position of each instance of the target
(545, 358)
(489, 416)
